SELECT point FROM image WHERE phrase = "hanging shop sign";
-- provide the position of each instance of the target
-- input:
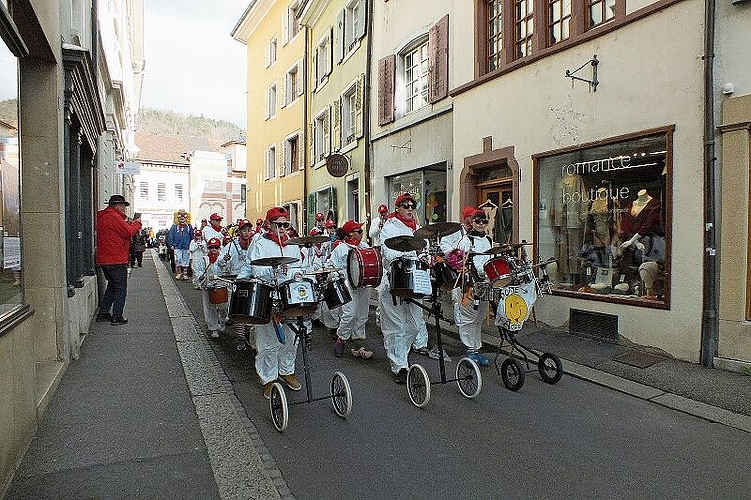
(337, 165)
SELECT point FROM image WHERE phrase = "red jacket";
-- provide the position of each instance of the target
(113, 237)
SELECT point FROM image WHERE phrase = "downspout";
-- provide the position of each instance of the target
(709, 317)
(305, 148)
(366, 115)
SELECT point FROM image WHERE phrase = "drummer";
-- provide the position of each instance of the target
(354, 314)
(206, 268)
(275, 341)
(235, 260)
(470, 313)
(197, 250)
(401, 321)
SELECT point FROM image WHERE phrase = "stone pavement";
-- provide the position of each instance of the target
(147, 412)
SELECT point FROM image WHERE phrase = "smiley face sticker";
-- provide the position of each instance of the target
(516, 308)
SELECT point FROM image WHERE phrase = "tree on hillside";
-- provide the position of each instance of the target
(157, 122)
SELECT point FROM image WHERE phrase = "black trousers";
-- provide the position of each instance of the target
(117, 289)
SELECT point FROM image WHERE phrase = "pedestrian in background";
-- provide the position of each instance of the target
(114, 233)
(139, 246)
(178, 238)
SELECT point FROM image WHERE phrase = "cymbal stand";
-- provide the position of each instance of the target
(302, 335)
(436, 310)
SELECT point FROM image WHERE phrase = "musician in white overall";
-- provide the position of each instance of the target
(275, 341)
(354, 314)
(469, 312)
(401, 322)
(206, 269)
(235, 260)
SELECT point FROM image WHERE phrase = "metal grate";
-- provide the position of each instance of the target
(593, 323)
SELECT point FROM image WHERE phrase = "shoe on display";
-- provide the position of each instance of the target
(435, 354)
(339, 347)
(267, 390)
(214, 334)
(401, 377)
(119, 321)
(291, 381)
(478, 358)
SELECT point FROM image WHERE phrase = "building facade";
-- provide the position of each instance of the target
(75, 91)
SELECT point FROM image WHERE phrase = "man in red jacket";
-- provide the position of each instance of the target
(114, 232)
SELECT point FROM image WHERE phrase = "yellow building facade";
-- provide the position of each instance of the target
(276, 111)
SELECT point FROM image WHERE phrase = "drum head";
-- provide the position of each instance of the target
(353, 268)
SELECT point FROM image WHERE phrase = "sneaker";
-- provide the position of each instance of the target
(196, 287)
(291, 381)
(119, 321)
(214, 334)
(401, 377)
(436, 355)
(362, 352)
(478, 358)
(267, 390)
(339, 347)
(177, 276)
(421, 350)
(241, 346)
(103, 317)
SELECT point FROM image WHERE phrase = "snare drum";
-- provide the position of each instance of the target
(298, 297)
(336, 293)
(445, 276)
(500, 271)
(218, 294)
(364, 267)
(251, 302)
(408, 279)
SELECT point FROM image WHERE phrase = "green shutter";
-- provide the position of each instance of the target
(332, 204)
(311, 211)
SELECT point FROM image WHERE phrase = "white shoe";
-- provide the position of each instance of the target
(214, 334)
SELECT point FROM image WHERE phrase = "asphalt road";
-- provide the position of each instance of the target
(573, 439)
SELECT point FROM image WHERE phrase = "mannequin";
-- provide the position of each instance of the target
(643, 239)
(648, 273)
(642, 218)
(568, 214)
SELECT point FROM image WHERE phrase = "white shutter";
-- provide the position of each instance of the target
(312, 142)
(330, 54)
(281, 95)
(340, 37)
(280, 166)
(335, 125)
(285, 27)
(314, 70)
(300, 153)
(300, 73)
(268, 103)
(358, 125)
(266, 164)
(267, 55)
(361, 21)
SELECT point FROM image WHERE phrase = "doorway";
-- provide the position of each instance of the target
(497, 200)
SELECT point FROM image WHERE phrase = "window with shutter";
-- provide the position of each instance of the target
(298, 73)
(336, 136)
(311, 210)
(358, 115)
(280, 160)
(438, 56)
(340, 37)
(386, 77)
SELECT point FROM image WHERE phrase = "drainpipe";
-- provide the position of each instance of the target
(366, 115)
(306, 164)
(709, 317)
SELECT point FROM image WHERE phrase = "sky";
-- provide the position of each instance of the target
(193, 65)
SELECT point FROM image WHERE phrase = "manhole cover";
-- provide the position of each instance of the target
(638, 359)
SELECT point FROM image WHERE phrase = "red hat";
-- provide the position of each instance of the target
(197, 233)
(402, 198)
(275, 213)
(468, 212)
(241, 223)
(214, 242)
(351, 225)
(382, 209)
(319, 216)
(330, 223)
(215, 217)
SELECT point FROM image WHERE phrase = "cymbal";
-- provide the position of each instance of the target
(324, 271)
(307, 240)
(274, 261)
(437, 230)
(405, 243)
(517, 245)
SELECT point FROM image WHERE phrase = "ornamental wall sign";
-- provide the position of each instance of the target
(337, 165)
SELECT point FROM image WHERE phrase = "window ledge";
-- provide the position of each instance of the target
(356, 45)
(321, 83)
(348, 147)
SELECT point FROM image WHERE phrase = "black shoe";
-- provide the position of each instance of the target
(401, 377)
(103, 317)
(119, 321)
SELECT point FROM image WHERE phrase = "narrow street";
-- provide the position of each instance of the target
(573, 439)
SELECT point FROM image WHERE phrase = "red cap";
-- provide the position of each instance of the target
(319, 216)
(276, 212)
(315, 232)
(215, 217)
(402, 198)
(241, 223)
(197, 233)
(214, 242)
(351, 225)
(468, 212)
(382, 209)
(330, 223)
(259, 222)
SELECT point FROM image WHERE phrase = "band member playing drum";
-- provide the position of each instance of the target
(354, 314)
(401, 321)
(197, 251)
(206, 269)
(469, 310)
(275, 341)
(235, 260)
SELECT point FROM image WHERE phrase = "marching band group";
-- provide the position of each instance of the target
(269, 253)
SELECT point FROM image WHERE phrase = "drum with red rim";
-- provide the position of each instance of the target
(217, 294)
(500, 271)
(364, 267)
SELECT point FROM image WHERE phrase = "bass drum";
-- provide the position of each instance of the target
(364, 267)
(336, 293)
(251, 302)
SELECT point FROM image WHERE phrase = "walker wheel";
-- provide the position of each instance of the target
(550, 368)
(341, 395)
(279, 407)
(468, 378)
(418, 385)
(512, 374)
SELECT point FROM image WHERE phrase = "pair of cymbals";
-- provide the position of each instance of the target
(323, 271)
(274, 261)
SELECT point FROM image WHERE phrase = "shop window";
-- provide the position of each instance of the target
(604, 215)
(427, 187)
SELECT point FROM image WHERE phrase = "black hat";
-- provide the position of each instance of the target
(117, 198)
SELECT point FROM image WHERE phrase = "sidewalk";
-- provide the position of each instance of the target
(147, 412)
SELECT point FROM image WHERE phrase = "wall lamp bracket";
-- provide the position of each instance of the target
(593, 82)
